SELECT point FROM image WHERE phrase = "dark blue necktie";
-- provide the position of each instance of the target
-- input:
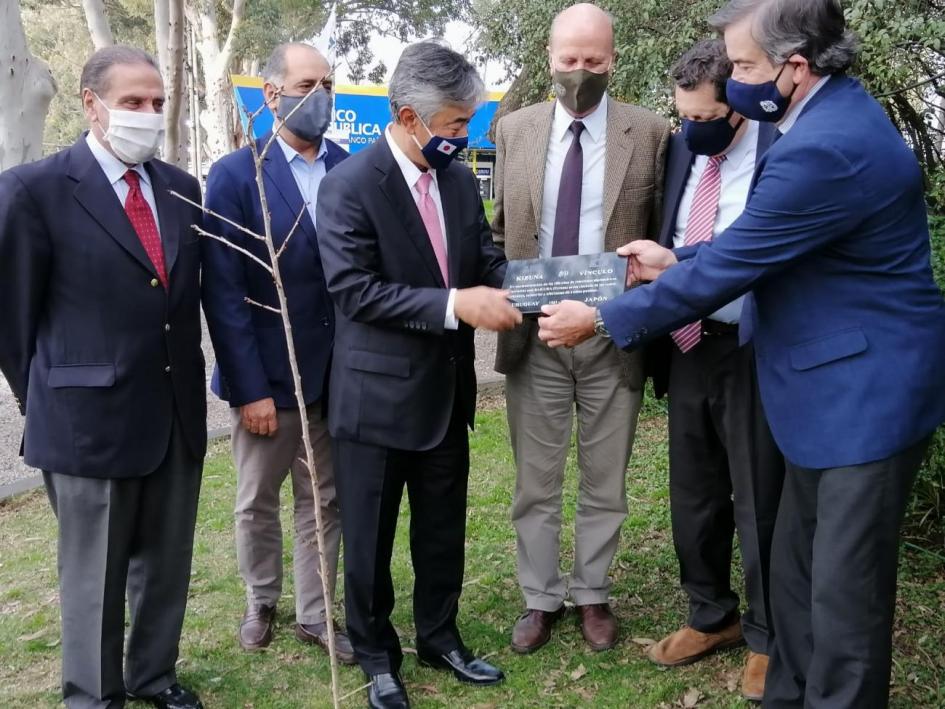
(568, 210)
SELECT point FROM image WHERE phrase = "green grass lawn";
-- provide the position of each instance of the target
(490, 208)
(646, 599)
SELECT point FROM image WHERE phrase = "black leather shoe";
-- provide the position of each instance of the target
(464, 666)
(174, 697)
(387, 692)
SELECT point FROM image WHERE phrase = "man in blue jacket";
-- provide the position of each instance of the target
(848, 328)
(253, 372)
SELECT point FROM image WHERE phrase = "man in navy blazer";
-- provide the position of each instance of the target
(411, 268)
(725, 471)
(253, 372)
(100, 342)
(848, 328)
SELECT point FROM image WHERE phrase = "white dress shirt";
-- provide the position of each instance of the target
(737, 172)
(791, 118)
(593, 145)
(308, 175)
(412, 175)
(115, 170)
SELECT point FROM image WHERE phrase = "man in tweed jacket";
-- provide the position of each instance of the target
(555, 198)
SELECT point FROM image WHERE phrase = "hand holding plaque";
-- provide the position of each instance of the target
(591, 279)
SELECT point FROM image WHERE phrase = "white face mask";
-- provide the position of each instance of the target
(134, 136)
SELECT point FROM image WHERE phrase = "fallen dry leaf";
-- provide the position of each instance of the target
(691, 698)
(578, 673)
(645, 642)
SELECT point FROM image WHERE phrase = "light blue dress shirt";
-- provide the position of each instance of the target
(115, 170)
(308, 175)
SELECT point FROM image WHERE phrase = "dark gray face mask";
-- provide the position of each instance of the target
(580, 90)
(311, 120)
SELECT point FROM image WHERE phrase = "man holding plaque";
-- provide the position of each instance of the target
(574, 177)
(848, 328)
(725, 471)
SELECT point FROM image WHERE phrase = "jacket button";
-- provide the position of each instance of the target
(326, 322)
(167, 327)
(168, 369)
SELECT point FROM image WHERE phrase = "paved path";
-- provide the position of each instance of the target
(14, 476)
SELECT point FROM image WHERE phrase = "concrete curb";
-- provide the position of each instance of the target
(487, 387)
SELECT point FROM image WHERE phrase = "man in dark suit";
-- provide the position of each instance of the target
(253, 372)
(725, 470)
(100, 342)
(848, 327)
(410, 264)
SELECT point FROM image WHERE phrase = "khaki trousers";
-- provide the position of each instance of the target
(544, 393)
(262, 464)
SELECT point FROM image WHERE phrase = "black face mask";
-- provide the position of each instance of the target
(311, 120)
(710, 137)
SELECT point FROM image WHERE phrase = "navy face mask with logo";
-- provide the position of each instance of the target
(759, 102)
(439, 151)
(710, 137)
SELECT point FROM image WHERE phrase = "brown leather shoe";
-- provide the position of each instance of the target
(317, 634)
(688, 645)
(256, 627)
(598, 626)
(753, 678)
(533, 629)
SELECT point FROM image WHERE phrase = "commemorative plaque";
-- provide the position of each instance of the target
(591, 279)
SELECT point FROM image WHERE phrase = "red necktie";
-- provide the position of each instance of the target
(142, 219)
(705, 207)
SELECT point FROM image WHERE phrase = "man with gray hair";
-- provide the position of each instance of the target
(409, 262)
(848, 328)
(253, 372)
(100, 342)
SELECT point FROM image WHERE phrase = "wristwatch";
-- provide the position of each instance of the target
(600, 329)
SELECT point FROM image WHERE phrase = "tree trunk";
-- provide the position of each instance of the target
(98, 23)
(26, 88)
(219, 117)
(169, 34)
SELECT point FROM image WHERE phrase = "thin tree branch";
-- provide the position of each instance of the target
(930, 80)
(292, 231)
(217, 216)
(245, 252)
(262, 305)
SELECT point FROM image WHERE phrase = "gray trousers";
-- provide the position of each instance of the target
(262, 464)
(543, 394)
(118, 536)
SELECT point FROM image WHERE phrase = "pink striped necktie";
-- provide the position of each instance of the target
(431, 220)
(699, 227)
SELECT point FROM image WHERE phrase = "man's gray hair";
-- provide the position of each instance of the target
(274, 70)
(815, 29)
(95, 72)
(429, 77)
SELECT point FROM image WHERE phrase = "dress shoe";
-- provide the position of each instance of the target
(533, 629)
(174, 697)
(464, 666)
(256, 627)
(317, 634)
(753, 678)
(598, 626)
(387, 692)
(689, 645)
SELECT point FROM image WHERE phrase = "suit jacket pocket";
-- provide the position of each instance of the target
(379, 363)
(829, 348)
(81, 375)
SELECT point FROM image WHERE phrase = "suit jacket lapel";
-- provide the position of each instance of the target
(617, 160)
(277, 169)
(168, 217)
(394, 187)
(98, 198)
(676, 178)
(536, 142)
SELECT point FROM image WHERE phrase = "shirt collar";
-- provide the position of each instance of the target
(795, 113)
(410, 171)
(291, 153)
(113, 168)
(741, 150)
(595, 123)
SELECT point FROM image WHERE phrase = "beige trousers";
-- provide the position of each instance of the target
(262, 464)
(544, 394)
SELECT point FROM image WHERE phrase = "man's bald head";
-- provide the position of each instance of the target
(582, 37)
(291, 57)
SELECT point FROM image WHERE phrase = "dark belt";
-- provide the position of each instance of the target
(714, 328)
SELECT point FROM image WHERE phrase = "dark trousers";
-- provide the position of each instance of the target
(129, 536)
(725, 473)
(833, 583)
(370, 482)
